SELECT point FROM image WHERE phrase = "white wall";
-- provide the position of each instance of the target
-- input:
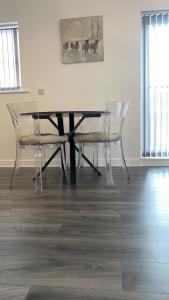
(77, 86)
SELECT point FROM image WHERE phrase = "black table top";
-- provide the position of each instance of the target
(66, 113)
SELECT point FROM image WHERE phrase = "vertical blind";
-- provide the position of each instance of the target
(9, 57)
(155, 84)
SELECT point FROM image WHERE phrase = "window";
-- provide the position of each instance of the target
(155, 84)
(9, 58)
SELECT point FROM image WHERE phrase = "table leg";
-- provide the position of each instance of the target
(61, 132)
(72, 150)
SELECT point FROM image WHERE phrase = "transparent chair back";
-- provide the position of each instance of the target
(26, 125)
(113, 122)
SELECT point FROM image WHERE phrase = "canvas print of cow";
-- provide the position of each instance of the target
(82, 39)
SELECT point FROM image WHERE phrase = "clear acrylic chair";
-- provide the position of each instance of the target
(28, 135)
(111, 133)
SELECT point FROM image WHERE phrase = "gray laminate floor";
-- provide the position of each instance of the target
(85, 242)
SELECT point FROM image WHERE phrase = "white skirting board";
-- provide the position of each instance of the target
(131, 162)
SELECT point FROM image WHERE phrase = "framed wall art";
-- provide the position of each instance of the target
(82, 39)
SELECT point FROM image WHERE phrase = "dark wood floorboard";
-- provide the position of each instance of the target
(11, 292)
(52, 293)
(85, 241)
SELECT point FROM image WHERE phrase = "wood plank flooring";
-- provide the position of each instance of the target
(85, 242)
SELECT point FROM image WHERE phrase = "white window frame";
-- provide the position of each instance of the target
(10, 80)
(155, 89)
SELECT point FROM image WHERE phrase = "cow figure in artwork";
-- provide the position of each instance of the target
(76, 45)
(94, 46)
(85, 47)
(65, 46)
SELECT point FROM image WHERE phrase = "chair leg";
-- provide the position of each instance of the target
(79, 164)
(95, 157)
(64, 162)
(63, 155)
(16, 165)
(109, 175)
(123, 159)
(38, 169)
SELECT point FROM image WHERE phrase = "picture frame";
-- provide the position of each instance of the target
(82, 39)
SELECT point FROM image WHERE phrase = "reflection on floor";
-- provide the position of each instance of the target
(85, 242)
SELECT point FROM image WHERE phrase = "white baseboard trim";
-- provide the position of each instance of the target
(10, 163)
(136, 162)
(24, 163)
(131, 162)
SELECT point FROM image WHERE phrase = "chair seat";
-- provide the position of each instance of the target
(97, 137)
(42, 139)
